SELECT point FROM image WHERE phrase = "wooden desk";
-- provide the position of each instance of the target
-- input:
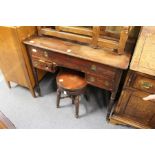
(102, 68)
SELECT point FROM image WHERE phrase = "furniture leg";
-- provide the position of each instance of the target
(32, 92)
(113, 95)
(110, 105)
(37, 81)
(58, 97)
(73, 98)
(34, 70)
(77, 106)
(8, 83)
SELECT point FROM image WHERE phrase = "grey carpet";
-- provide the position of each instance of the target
(27, 112)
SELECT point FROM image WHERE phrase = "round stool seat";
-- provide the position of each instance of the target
(71, 80)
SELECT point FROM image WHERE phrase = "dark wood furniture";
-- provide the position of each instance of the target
(140, 82)
(14, 62)
(102, 67)
(131, 108)
(5, 123)
(73, 84)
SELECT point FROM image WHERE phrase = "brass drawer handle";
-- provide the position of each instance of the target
(46, 67)
(91, 79)
(45, 54)
(93, 67)
(35, 64)
(106, 83)
(146, 85)
(54, 64)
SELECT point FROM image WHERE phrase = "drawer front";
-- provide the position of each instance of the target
(73, 62)
(132, 106)
(103, 82)
(40, 53)
(144, 84)
(41, 64)
(100, 70)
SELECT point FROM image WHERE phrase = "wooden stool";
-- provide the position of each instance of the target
(73, 84)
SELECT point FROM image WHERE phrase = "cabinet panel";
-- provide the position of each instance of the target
(144, 58)
(133, 107)
(144, 84)
(148, 56)
(11, 63)
(14, 60)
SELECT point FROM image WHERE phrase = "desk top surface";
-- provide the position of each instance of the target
(101, 56)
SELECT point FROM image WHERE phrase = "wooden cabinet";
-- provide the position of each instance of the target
(140, 82)
(131, 108)
(14, 62)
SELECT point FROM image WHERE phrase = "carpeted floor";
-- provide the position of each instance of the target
(27, 112)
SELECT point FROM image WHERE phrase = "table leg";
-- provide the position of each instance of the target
(113, 95)
(110, 105)
(37, 81)
(35, 74)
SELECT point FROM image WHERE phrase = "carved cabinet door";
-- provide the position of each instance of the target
(132, 107)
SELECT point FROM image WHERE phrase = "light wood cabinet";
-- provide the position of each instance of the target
(14, 61)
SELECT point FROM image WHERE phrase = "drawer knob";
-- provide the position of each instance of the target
(106, 83)
(146, 85)
(54, 64)
(34, 50)
(93, 67)
(91, 79)
(69, 50)
(46, 67)
(45, 54)
(35, 64)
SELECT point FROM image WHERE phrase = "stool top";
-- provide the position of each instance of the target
(70, 80)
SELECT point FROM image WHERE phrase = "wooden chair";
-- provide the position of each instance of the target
(72, 84)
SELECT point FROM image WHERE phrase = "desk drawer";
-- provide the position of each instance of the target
(41, 64)
(73, 62)
(99, 69)
(101, 82)
(144, 84)
(40, 53)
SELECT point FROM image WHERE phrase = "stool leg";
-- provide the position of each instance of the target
(58, 97)
(76, 101)
(73, 98)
